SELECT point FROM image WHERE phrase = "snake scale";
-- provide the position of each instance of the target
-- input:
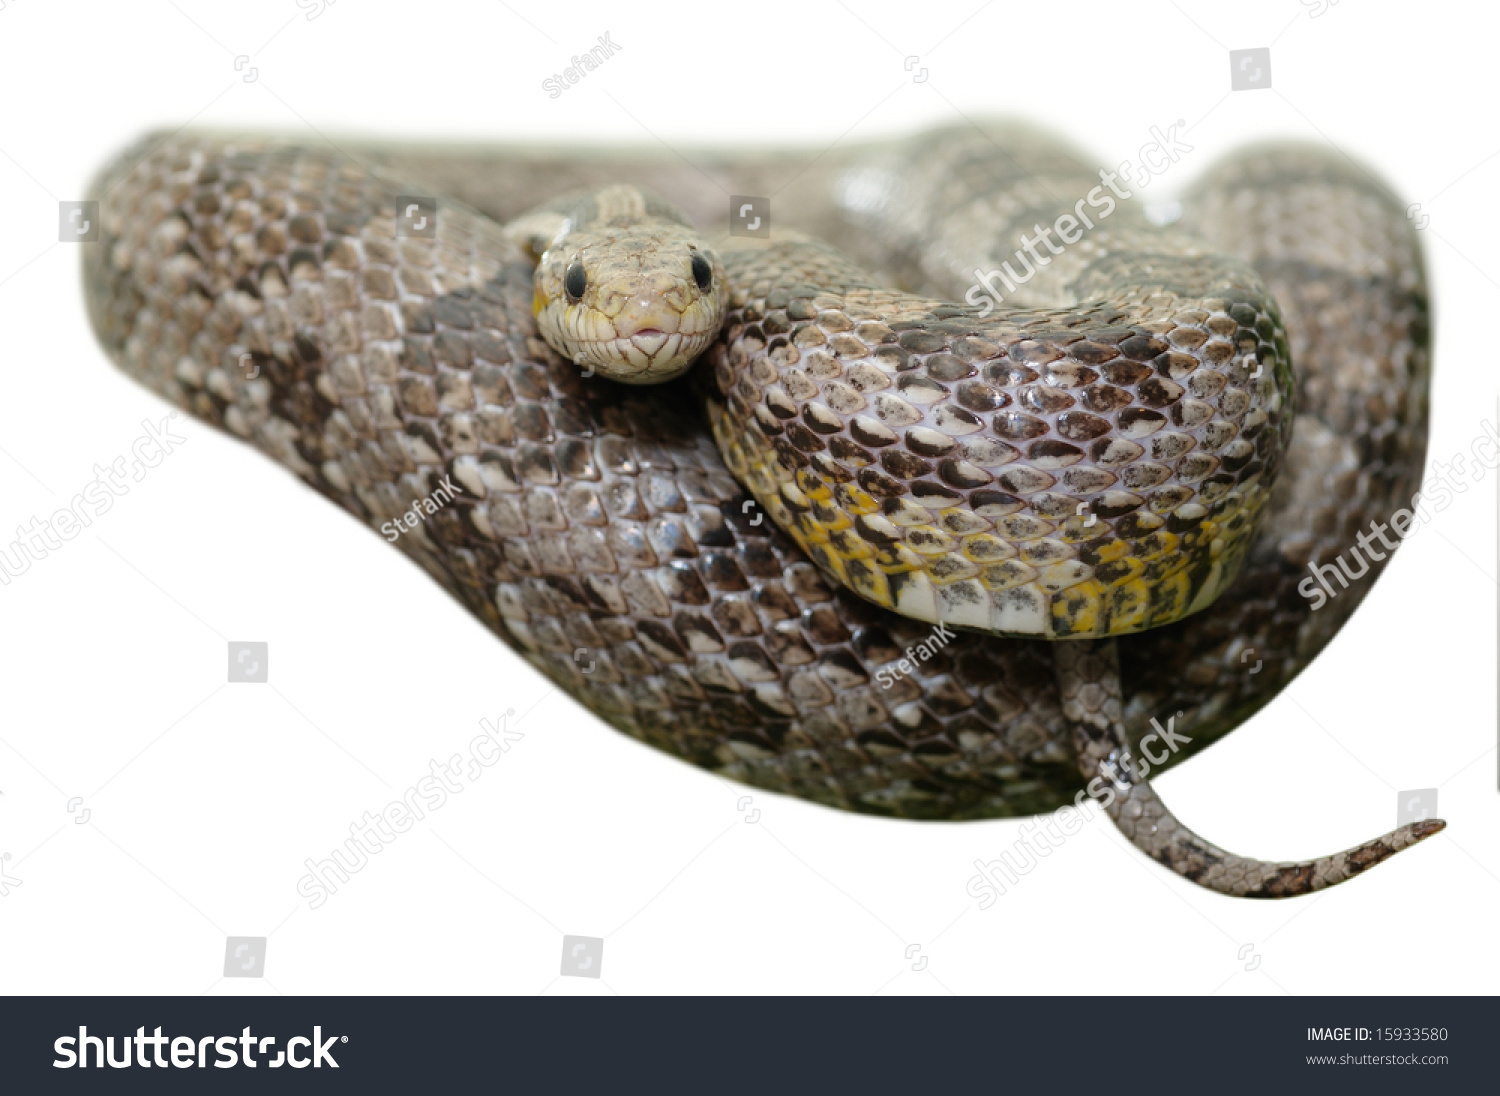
(1001, 546)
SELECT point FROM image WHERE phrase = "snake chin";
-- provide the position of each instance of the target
(649, 356)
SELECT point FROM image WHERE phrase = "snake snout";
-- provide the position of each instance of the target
(646, 314)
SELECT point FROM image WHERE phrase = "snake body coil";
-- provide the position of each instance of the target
(1124, 447)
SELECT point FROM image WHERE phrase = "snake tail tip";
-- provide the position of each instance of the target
(1422, 830)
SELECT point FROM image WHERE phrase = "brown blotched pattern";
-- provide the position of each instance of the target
(1095, 470)
(602, 519)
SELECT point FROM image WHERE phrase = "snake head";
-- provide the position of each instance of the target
(635, 303)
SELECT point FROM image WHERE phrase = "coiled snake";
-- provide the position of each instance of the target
(1003, 542)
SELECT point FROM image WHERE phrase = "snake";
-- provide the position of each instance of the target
(908, 505)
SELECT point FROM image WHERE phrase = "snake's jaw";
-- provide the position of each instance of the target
(634, 335)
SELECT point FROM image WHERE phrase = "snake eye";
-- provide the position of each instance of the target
(575, 281)
(703, 273)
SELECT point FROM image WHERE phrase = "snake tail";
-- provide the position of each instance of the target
(1088, 677)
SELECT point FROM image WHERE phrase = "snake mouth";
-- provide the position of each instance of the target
(646, 314)
(643, 358)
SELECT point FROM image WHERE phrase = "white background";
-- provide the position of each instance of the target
(205, 798)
